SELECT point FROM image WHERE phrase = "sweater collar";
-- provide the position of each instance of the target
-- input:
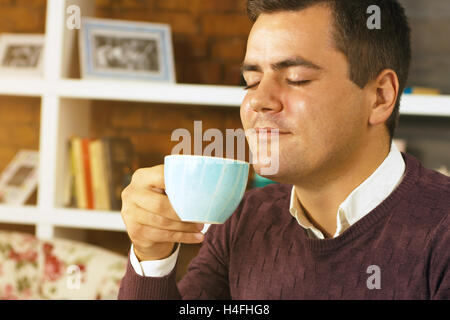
(363, 199)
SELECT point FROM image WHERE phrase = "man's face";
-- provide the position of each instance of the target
(299, 83)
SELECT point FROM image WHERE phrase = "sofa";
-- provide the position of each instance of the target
(34, 269)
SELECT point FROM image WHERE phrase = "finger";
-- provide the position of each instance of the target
(159, 235)
(153, 202)
(147, 218)
(149, 178)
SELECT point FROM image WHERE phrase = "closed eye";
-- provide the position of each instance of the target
(290, 82)
(298, 83)
(251, 86)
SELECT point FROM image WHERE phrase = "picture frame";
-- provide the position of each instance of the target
(19, 179)
(22, 54)
(127, 50)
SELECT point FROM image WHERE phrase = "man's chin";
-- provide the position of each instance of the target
(283, 176)
(267, 172)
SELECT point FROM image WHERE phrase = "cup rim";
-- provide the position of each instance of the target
(193, 156)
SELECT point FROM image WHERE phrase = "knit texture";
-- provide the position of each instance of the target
(261, 252)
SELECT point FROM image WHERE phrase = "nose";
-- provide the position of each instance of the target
(265, 97)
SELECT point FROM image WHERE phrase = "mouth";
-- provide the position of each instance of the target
(270, 131)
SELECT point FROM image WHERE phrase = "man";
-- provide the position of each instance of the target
(352, 217)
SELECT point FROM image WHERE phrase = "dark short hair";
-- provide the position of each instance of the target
(368, 51)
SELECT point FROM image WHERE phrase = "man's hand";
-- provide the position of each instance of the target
(152, 224)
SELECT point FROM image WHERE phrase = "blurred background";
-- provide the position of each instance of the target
(209, 41)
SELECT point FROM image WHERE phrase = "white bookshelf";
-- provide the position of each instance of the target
(65, 111)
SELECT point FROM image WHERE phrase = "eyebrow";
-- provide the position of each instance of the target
(284, 64)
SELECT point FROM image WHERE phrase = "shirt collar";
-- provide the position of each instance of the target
(363, 199)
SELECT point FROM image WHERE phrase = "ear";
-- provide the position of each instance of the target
(385, 92)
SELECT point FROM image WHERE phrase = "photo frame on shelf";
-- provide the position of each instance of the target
(128, 50)
(19, 180)
(22, 54)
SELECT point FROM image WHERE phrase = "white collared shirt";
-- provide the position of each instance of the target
(367, 196)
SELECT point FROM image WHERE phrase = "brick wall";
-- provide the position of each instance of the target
(209, 38)
(19, 116)
(19, 126)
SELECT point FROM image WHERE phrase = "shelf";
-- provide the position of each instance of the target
(425, 105)
(211, 95)
(138, 91)
(18, 86)
(87, 219)
(150, 92)
(70, 218)
(19, 214)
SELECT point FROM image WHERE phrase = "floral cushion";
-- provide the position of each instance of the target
(58, 269)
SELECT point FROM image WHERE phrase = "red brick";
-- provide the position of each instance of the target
(233, 119)
(5, 135)
(24, 136)
(167, 118)
(135, 4)
(241, 6)
(102, 3)
(218, 5)
(6, 155)
(176, 5)
(199, 6)
(232, 75)
(225, 25)
(130, 116)
(6, 2)
(229, 49)
(22, 19)
(31, 3)
(180, 23)
(19, 110)
(145, 142)
(203, 72)
(190, 47)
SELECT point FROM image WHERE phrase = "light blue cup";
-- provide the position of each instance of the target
(204, 189)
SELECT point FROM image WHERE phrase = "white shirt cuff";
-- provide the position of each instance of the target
(156, 268)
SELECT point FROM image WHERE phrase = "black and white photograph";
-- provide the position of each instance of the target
(126, 54)
(126, 50)
(21, 54)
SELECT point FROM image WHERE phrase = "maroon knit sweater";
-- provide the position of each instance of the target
(261, 252)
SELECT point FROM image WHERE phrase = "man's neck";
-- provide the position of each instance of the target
(320, 202)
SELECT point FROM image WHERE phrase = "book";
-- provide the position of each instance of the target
(100, 185)
(422, 90)
(87, 173)
(118, 155)
(77, 164)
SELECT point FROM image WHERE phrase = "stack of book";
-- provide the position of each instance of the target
(100, 170)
